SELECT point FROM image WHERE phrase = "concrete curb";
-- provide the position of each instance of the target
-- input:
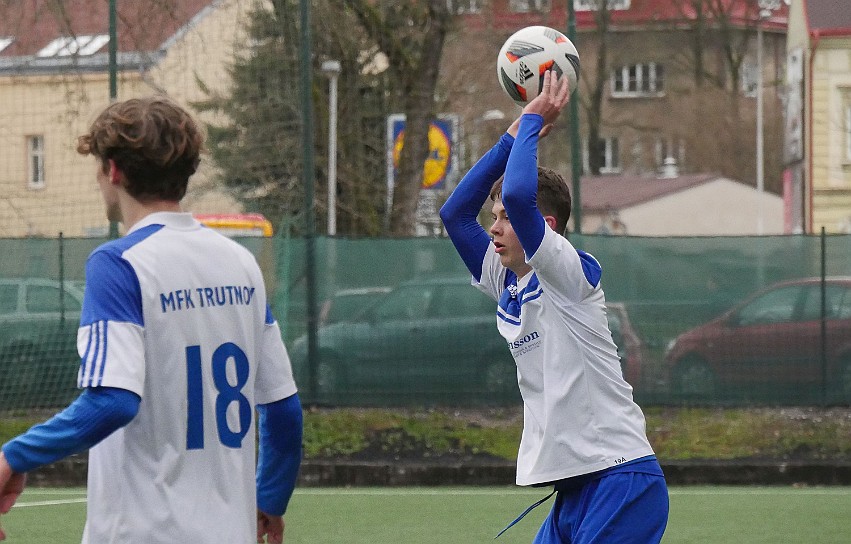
(72, 472)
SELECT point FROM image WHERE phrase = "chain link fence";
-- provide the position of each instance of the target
(710, 321)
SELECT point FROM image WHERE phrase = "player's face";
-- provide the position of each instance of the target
(506, 243)
(109, 192)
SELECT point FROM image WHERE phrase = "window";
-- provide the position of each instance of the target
(42, 299)
(79, 45)
(8, 299)
(5, 42)
(669, 147)
(748, 75)
(836, 297)
(459, 301)
(610, 150)
(847, 132)
(460, 7)
(594, 5)
(528, 6)
(776, 306)
(405, 303)
(35, 161)
(638, 80)
(843, 306)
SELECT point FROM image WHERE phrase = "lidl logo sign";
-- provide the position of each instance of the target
(441, 161)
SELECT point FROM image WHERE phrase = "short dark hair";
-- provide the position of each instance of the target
(553, 196)
(154, 142)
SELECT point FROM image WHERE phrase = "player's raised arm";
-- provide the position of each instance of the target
(521, 176)
(461, 210)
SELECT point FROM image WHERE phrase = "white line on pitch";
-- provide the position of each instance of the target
(835, 491)
(49, 503)
(831, 491)
(413, 491)
(47, 491)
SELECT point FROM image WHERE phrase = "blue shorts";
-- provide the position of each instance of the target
(628, 505)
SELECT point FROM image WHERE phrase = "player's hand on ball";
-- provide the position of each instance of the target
(554, 95)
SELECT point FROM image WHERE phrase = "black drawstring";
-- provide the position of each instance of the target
(521, 516)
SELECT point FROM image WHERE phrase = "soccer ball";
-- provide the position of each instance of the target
(530, 52)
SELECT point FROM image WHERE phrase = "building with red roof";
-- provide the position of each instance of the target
(661, 80)
(54, 78)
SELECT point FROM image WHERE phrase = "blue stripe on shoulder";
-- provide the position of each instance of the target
(113, 292)
(126, 242)
(590, 267)
(270, 319)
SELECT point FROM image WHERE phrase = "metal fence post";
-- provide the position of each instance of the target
(824, 393)
(61, 278)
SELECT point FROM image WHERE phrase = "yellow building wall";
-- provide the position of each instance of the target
(831, 171)
(61, 106)
(58, 107)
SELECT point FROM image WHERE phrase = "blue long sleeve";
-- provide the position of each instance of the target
(281, 428)
(93, 416)
(520, 188)
(461, 210)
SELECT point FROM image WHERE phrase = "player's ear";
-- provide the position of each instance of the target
(115, 173)
(551, 221)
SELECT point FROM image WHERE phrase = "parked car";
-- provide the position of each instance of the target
(631, 348)
(769, 344)
(38, 342)
(436, 338)
(346, 304)
(425, 337)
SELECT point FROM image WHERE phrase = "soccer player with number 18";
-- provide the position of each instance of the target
(179, 348)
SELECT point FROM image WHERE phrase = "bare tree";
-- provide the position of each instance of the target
(411, 35)
(595, 88)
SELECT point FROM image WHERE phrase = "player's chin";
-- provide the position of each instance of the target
(505, 260)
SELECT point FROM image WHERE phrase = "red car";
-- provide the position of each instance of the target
(630, 347)
(770, 344)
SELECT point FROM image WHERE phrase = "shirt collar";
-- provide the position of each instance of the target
(174, 220)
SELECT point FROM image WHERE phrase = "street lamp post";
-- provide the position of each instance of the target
(476, 140)
(765, 9)
(331, 68)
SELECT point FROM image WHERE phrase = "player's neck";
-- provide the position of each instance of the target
(133, 211)
(521, 271)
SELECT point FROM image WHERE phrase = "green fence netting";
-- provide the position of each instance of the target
(712, 321)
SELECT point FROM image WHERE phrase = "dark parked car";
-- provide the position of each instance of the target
(38, 342)
(429, 337)
(436, 338)
(769, 344)
(347, 303)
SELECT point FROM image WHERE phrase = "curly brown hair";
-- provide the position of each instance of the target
(154, 142)
(553, 196)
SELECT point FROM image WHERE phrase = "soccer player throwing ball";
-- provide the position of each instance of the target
(178, 349)
(582, 432)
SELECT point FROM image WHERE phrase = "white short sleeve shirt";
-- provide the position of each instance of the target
(579, 415)
(178, 314)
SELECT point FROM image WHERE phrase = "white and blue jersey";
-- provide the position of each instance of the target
(579, 415)
(178, 314)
